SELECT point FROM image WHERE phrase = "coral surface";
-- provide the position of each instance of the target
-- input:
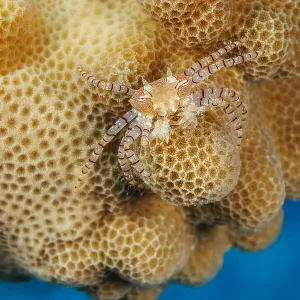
(106, 238)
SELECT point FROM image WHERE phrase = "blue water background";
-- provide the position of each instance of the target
(270, 274)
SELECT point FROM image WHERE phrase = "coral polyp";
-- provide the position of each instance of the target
(167, 102)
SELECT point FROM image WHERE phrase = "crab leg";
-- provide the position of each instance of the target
(109, 135)
(135, 162)
(223, 93)
(208, 60)
(215, 97)
(123, 160)
(146, 125)
(145, 134)
(104, 85)
(224, 63)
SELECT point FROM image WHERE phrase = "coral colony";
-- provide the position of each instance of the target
(216, 155)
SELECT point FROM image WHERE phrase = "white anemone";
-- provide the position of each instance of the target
(161, 129)
(189, 115)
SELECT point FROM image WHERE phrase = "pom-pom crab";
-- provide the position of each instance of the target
(156, 104)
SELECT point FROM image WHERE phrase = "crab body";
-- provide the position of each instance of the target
(159, 101)
(162, 97)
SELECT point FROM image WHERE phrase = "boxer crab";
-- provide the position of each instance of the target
(156, 104)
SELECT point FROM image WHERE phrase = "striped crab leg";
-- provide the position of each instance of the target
(211, 58)
(123, 160)
(224, 93)
(109, 135)
(135, 162)
(224, 63)
(215, 97)
(147, 125)
(104, 85)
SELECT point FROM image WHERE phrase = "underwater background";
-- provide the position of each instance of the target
(271, 274)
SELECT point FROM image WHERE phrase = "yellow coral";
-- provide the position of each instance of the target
(214, 241)
(144, 293)
(191, 22)
(258, 196)
(280, 99)
(207, 258)
(196, 166)
(258, 240)
(105, 235)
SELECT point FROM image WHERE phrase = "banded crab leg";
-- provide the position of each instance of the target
(224, 63)
(209, 59)
(123, 160)
(104, 85)
(146, 125)
(109, 135)
(216, 97)
(222, 93)
(135, 162)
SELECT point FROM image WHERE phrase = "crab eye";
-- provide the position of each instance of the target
(182, 83)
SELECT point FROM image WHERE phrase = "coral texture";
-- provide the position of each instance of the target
(282, 98)
(105, 238)
(207, 259)
(258, 240)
